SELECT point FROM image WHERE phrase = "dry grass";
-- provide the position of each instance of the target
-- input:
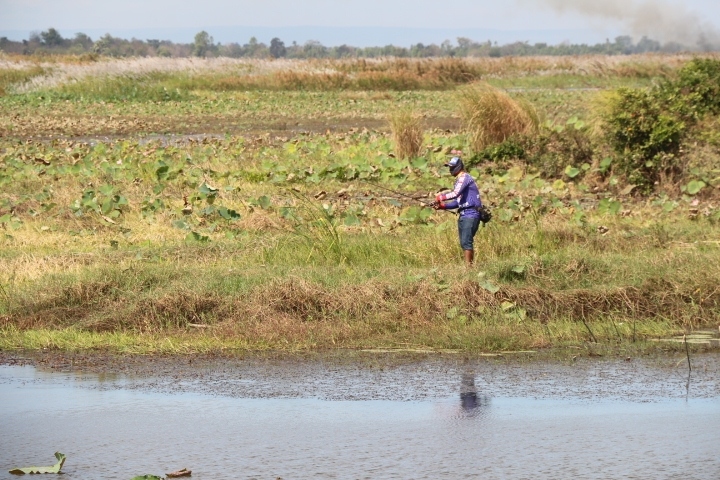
(407, 133)
(296, 313)
(491, 116)
(227, 74)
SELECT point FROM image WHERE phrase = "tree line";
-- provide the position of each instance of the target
(203, 45)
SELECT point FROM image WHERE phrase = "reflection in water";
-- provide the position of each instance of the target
(469, 399)
(107, 432)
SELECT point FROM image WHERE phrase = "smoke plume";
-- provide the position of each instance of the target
(656, 19)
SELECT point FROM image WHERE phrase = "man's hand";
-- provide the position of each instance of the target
(436, 205)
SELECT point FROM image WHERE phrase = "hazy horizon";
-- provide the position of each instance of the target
(370, 22)
(336, 36)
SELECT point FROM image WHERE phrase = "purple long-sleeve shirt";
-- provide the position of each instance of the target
(465, 196)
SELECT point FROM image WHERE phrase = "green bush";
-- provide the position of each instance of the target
(696, 90)
(645, 133)
(646, 127)
(511, 148)
(558, 147)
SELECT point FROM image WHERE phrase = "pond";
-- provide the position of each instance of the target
(389, 418)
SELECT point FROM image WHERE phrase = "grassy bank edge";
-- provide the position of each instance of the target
(440, 340)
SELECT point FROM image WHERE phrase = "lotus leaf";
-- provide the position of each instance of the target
(54, 469)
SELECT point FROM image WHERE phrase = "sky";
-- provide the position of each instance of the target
(367, 22)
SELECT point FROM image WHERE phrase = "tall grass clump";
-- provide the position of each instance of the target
(16, 76)
(407, 133)
(128, 88)
(491, 116)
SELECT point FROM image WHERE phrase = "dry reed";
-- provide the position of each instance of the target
(491, 116)
(221, 74)
(407, 133)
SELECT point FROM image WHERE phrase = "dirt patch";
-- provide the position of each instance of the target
(113, 128)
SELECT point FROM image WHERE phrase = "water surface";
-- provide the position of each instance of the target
(116, 426)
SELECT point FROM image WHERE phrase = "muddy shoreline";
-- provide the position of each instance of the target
(391, 376)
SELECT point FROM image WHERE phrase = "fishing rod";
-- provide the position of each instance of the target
(424, 204)
(394, 192)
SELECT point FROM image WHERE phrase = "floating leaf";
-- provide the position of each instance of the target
(207, 190)
(264, 202)
(571, 171)
(106, 189)
(507, 305)
(351, 220)
(108, 206)
(609, 206)
(196, 237)
(181, 224)
(180, 473)
(694, 187)
(605, 164)
(162, 172)
(228, 214)
(558, 184)
(627, 190)
(54, 469)
(489, 286)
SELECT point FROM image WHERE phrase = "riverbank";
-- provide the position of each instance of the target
(535, 286)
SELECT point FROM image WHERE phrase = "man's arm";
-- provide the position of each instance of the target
(460, 184)
(450, 205)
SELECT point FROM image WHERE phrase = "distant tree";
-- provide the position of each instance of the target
(344, 51)
(83, 41)
(625, 44)
(447, 48)
(136, 48)
(254, 48)
(464, 46)
(277, 48)
(52, 38)
(203, 44)
(647, 45)
(232, 50)
(314, 49)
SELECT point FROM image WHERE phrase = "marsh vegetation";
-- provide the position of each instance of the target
(157, 205)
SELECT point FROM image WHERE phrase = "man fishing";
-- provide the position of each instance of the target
(465, 196)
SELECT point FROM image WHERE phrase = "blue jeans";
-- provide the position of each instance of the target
(467, 228)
